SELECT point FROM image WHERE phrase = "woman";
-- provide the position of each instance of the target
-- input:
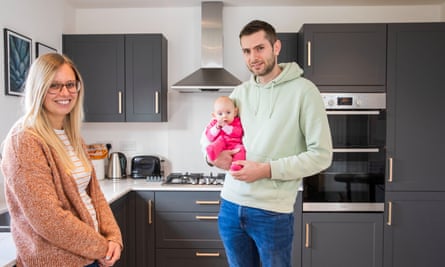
(59, 216)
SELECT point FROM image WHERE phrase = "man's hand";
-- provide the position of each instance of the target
(251, 171)
(224, 159)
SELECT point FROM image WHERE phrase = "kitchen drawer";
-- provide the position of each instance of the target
(188, 201)
(187, 230)
(191, 257)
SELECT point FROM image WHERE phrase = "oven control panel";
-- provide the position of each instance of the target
(354, 100)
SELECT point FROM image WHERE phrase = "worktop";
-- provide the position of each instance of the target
(113, 190)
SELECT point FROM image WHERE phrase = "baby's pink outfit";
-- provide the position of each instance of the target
(227, 137)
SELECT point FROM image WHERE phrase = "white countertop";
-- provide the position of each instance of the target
(113, 190)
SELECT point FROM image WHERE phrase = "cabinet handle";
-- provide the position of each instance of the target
(150, 211)
(120, 102)
(207, 254)
(306, 243)
(200, 217)
(207, 202)
(390, 171)
(309, 53)
(389, 222)
(157, 102)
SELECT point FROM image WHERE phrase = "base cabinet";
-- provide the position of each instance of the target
(191, 257)
(414, 229)
(144, 229)
(124, 215)
(187, 229)
(342, 239)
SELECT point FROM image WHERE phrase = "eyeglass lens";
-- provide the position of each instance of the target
(71, 86)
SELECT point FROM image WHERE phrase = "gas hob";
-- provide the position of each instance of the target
(195, 179)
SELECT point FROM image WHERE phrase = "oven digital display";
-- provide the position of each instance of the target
(344, 101)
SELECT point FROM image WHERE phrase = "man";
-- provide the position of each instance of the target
(287, 137)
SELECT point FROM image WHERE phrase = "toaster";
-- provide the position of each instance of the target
(145, 166)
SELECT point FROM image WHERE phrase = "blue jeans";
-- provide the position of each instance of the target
(252, 235)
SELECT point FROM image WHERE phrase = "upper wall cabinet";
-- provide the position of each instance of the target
(289, 46)
(344, 57)
(125, 76)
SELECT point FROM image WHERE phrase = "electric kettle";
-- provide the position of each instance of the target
(117, 165)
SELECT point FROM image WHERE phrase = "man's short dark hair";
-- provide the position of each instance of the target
(259, 25)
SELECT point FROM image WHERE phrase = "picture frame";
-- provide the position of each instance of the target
(17, 61)
(42, 49)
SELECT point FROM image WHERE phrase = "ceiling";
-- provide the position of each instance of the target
(191, 3)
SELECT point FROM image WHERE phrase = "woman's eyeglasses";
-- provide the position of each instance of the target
(72, 87)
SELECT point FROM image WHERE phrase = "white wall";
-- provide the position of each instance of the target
(42, 21)
(178, 139)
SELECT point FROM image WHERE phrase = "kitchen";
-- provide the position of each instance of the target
(187, 112)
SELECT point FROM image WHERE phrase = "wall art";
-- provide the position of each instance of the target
(17, 62)
(42, 49)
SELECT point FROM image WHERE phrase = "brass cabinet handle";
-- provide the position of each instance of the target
(207, 202)
(389, 222)
(390, 170)
(200, 217)
(306, 243)
(309, 53)
(157, 102)
(207, 254)
(120, 102)
(150, 211)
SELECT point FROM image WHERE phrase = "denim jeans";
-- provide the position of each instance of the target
(251, 236)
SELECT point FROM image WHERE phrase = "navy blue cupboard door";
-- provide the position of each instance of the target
(146, 78)
(100, 60)
(344, 57)
(415, 112)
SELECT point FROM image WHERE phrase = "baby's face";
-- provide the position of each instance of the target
(225, 112)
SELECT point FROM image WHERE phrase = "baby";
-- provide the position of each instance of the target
(225, 131)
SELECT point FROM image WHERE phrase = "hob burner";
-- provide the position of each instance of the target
(195, 179)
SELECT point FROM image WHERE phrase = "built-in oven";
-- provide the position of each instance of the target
(355, 179)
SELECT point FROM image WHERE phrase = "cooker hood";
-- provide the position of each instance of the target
(211, 76)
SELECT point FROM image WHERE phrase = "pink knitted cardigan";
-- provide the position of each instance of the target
(50, 224)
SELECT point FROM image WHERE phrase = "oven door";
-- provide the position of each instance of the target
(355, 179)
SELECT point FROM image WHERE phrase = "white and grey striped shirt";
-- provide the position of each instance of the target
(81, 176)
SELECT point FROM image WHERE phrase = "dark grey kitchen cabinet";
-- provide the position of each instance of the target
(289, 47)
(415, 188)
(414, 229)
(415, 112)
(344, 57)
(187, 229)
(144, 227)
(125, 75)
(342, 239)
(124, 214)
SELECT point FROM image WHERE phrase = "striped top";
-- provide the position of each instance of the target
(80, 175)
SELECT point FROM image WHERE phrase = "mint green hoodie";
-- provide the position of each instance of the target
(284, 124)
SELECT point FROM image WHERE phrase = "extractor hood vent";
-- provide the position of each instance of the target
(211, 76)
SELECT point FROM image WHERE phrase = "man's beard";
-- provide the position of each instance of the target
(269, 66)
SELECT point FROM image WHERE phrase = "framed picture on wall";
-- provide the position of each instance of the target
(17, 61)
(42, 49)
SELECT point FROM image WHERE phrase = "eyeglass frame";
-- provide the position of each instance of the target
(59, 87)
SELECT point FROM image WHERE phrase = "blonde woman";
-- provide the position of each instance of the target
(59, 216)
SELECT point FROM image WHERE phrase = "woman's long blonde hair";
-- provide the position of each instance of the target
(35, 119)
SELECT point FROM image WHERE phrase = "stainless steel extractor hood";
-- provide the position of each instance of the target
(211, 76)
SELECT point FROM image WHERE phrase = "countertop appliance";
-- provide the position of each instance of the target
(117, 165)
(147, 167)
(355, 179)
(195, 179)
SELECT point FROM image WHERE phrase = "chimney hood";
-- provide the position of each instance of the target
(211, 76)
